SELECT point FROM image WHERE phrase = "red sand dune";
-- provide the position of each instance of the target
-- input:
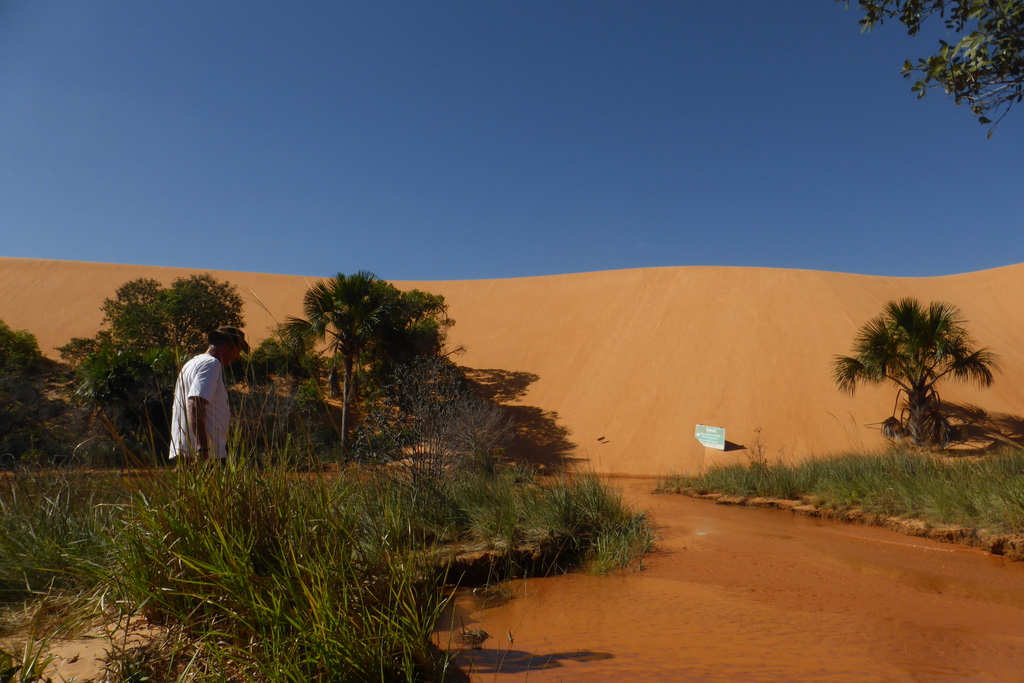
(628, 362)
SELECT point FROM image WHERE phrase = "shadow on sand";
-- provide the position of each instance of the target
(540, 439)
(978, 431)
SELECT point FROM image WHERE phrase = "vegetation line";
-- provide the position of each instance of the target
(971, 500)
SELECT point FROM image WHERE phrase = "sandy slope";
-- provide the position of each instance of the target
(638, 357)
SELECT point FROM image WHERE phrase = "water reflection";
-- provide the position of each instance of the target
(519, 661)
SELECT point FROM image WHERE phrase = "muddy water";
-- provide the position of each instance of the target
(760, 595)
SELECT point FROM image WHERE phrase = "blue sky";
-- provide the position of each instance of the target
(466, 139)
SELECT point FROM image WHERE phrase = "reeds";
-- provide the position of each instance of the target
(974, 492)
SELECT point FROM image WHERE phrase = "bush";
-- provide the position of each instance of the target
(134, 392)
(19, 350)
(429, 421)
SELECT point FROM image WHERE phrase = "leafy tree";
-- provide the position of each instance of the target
(984, 67)
(283, 356)
(127, 371)
(133, 391)
(417, 328)
(145, 315)
(19, 350)
(133, 316)
(914, 348)
(367, 323)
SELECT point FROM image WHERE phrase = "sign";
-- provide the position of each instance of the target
(711, 437)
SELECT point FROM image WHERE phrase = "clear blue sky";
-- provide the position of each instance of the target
(461, 139)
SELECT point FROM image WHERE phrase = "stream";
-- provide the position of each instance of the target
(735, 594)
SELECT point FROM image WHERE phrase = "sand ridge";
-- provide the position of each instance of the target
(627, 362)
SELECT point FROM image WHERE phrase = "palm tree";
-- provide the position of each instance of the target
(349, 313)
(914, 348)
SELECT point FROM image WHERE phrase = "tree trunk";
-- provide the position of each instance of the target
(917, 409)
(925, 424)
(333, 389)
(346, 398)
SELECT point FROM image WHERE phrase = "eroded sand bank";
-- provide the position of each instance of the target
(762, 595)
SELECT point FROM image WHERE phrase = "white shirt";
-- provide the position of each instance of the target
(203, 376)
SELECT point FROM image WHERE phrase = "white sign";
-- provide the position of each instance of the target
(711, 437)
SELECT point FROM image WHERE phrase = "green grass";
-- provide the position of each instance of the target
(56, 529)
(980, 492)
(275, 574)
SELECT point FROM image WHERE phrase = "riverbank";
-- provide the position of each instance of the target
(758, 594)
(212, 571)
(974, 500)
(1010, 546)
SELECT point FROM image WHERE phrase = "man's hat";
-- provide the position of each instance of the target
(228, 334)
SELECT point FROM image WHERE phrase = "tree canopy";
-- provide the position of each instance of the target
(127, 370)
(983, 66)
(19, 349)
(914, 348)
(368, 327)
(146, 315)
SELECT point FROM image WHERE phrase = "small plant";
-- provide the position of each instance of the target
(29, 665)
(757, 452)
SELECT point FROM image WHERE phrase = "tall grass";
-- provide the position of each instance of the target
(977, 492)
(56, 529)
(274, 574)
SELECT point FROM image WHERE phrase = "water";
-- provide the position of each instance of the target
(760, 595)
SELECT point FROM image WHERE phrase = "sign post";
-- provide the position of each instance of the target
(711, 437)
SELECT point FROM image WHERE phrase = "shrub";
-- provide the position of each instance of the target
(19, 350)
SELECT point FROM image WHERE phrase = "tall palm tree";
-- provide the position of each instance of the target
(914, 348)
(350, 314)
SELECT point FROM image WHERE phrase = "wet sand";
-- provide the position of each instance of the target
(761, 595)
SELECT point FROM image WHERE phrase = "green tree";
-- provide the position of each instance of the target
(145, 315)
(914, 348)
(983, 68)
(19, 350)
(417, 327)
(133, 392)
(127, 371)
(367, 323)
(283, 356)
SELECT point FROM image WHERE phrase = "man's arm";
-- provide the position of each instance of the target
(197, 426)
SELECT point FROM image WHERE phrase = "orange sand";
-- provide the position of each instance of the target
(638, 357)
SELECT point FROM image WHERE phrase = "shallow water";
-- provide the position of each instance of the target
(760, 595)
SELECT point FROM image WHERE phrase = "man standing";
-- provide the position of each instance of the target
(199, 425)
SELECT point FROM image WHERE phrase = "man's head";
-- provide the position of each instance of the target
(229, 343)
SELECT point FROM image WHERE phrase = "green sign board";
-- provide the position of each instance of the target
(711, 437)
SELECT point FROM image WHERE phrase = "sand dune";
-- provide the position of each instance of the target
(620, 366)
